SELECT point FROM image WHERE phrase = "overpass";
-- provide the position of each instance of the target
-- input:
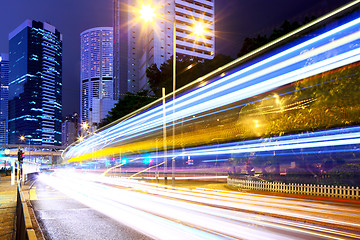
(32, 153)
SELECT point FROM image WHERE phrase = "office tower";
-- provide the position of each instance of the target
(127, 45)
(188, 14)
(120, 48)
(4, 93)
(96, 75)
(70, 129)
(149, 44)
(35, 84)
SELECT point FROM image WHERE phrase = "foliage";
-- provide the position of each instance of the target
(159, 78)
(340, 175)
(325, 101)
(187, 70)
(4, 172)
(128, 104)
(250, 44)
(347, 174)
(239, 162)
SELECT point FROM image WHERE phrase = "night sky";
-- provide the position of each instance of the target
(235, 20)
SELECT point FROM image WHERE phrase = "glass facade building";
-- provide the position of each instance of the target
(70, 129)
(96, 75)
(4, 93)
(35, 84)
(121, 48)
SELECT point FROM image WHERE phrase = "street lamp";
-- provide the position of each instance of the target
(147, 13)
(199, 30)
(85, 126)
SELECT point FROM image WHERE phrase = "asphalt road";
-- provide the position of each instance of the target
(179, 213)
(61, 217)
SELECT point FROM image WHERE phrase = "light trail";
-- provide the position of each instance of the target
(178, 213)
(329, 50)
(277, 144)
(282, 87)
(146, 169)
(117, 166)
(343, 137)
(284, 145)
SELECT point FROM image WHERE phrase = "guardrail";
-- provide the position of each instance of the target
(31, 176)
(24, 228)
(303, 189)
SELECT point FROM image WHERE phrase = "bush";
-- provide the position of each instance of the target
(346, 174)
(4, 172)
(342, 175)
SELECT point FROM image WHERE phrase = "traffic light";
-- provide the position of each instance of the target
(20, 156)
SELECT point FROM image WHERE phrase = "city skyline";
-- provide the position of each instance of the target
(254, 138)
(235, 21)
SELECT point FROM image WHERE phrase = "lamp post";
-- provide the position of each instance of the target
(164, 136)
(147, 13)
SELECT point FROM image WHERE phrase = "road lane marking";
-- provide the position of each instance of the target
(33, 195)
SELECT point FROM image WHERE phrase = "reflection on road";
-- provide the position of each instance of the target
(178, 213)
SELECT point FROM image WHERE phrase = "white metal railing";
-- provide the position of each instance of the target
(292, 188)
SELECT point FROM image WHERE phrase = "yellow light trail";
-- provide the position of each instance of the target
(146, 169)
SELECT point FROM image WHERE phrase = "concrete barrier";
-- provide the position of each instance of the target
(31, 176)
(24, 227)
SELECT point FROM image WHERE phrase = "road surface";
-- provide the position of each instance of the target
(61, 217)
(74, 206)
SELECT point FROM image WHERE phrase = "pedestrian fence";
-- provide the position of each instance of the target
(292, 188)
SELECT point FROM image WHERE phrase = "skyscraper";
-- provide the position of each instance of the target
(4, 93)
(153, 43)
(35, 84)
(70, 129)
(96, 75)
(120, 48)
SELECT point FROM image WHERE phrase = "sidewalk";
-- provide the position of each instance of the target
(7, 208)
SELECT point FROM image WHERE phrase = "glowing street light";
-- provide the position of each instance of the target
(22, 138)
(199, 29)
(147, 13)
(85, 125)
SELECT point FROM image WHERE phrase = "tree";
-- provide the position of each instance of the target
(130, 103)
(250, 44)
(187, 70)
